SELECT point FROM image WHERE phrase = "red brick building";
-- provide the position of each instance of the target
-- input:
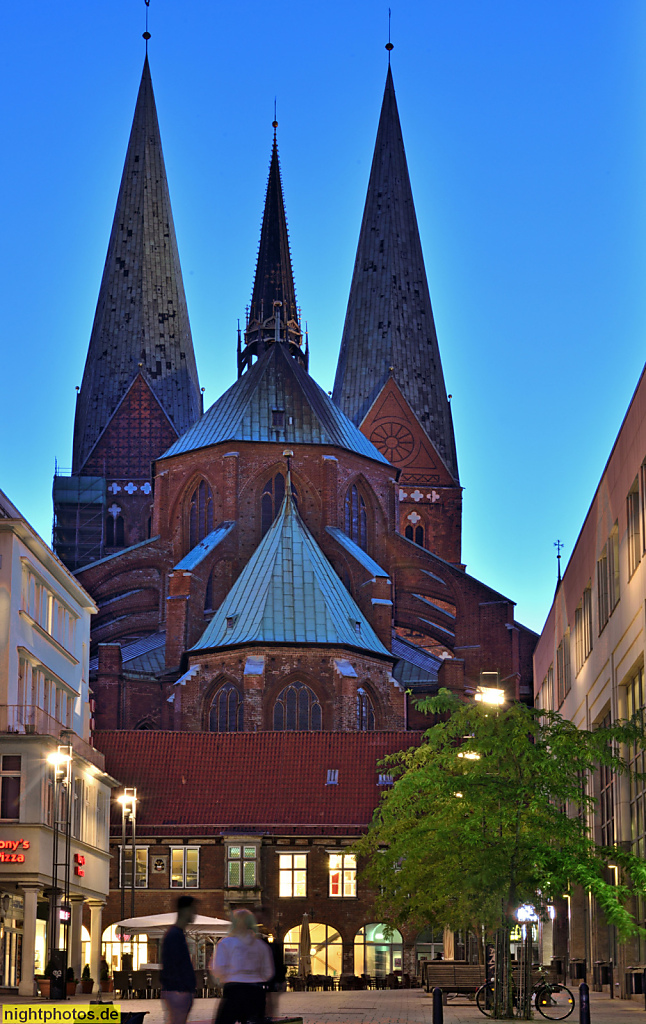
(288, 561)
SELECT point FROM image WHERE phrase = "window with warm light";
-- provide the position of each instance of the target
(292, 874)
(343, 874)
(141, 867)
(242, 865)
(184, 867)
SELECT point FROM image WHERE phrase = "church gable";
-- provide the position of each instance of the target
(395, 431)
(136, 434)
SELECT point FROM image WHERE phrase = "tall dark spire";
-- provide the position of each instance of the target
(389, 327)
(141, 323)
(273, 314)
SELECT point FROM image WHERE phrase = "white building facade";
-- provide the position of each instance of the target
(589, 666)
(45, 715)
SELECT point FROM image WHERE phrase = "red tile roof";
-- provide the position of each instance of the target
(274, 782)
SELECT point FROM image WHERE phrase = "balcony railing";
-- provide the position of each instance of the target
(29, 721)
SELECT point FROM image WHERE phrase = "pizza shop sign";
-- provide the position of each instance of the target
(12, 851)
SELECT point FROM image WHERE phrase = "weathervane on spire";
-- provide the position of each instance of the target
(389, 45)
(146, 34)
(558, 545)
(274, 123)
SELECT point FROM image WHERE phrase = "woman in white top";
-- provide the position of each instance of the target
(242, 964)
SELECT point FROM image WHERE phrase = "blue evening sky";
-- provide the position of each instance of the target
(524, 125)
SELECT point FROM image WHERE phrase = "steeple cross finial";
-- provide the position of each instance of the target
(274, 123)
(146, 34)
(558, 544)
(389, 45)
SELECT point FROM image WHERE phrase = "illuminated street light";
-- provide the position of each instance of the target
(526, 913)
(490, 695)
(470, 755)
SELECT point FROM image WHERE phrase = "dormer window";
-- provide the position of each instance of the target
(231, 621)
(332, 777)
(278, 418)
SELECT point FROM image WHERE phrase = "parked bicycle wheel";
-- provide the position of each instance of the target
(484, 999)
(555, 1002)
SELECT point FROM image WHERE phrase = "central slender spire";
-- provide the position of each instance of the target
(273, 314)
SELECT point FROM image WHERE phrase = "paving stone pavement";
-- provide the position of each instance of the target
(410, 1006)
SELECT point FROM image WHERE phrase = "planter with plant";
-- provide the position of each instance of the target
(87, 982)
(70, 982)
(106, 980)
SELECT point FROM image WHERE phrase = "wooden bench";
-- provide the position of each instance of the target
(454, 976)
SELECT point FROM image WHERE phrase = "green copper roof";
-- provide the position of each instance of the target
(289, 593)
(276, 383)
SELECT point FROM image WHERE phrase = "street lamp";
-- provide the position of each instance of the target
(61, 762)
(128, 801)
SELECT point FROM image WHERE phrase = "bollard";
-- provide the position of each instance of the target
(584, 1003)
(438, 1009)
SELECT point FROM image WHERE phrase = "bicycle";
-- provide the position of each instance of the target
(553, 1001)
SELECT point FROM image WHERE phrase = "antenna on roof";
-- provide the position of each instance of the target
(146, 34)
(389, 45)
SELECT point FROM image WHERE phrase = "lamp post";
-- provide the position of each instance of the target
(128, 801)
(61, 762)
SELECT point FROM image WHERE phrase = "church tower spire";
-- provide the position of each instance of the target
(273, 314)
(141, 325)
(389, 332)
(140, 388)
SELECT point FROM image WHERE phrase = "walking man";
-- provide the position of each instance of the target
(177, 974)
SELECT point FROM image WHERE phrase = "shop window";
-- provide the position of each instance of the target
(292, 874)
(226, 710)
(141, 867)
(365, 712)
(325, 953)
(10, 787)
(343, 874)
(200, 514)
(242, 866)
(376, 955)
(356, 522)
(297, 708)
(184, 867)
(271, 499)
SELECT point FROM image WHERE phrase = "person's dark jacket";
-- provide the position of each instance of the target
(177, 974)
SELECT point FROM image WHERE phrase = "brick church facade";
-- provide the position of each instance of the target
(287, 562)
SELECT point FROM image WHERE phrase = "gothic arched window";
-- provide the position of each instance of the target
(416, 534)
(365, 712)
(208, 594)
(114, 532)
(356, 521)
(226, 710)
(200, 514)
(297, 708)
(272, 498)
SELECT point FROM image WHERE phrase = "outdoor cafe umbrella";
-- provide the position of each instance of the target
(304, 949)
(155, 926)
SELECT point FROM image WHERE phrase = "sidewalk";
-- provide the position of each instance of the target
(405, 1006)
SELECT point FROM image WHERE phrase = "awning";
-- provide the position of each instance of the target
(155, 925)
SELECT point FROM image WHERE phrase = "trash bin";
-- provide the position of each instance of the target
(601, 972)
(578, 969)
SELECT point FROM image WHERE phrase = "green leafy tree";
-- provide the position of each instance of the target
(491, 812)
